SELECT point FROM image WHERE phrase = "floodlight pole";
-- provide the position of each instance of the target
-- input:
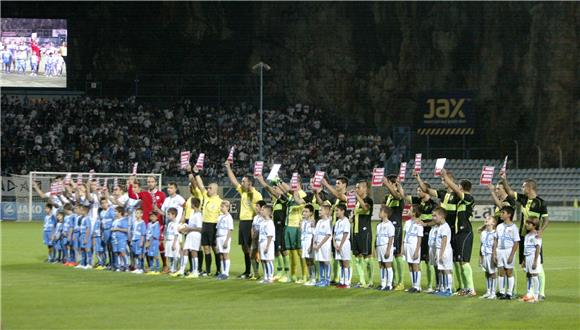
(262, 66)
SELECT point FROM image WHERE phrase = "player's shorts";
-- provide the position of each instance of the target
(381, 251)
(279, 240)
(170, 250)
(136, 249)
(307, 252)
(292, 238)
(362, 243)
(344, 253)
(409, 252)
(119, 245)
(266, 255)
(502, 259)
(530, 263)
(153, 249)
(433, 256)
(57, 244)
(521, 250)
(488, 264)
(447, 262)
(76, 243)
(86, 243)
(462, 243)
(245, 233)
(47, 238)
(425, 245)
(98, 246)
(398, 241)
(208, 234)
(220, 245)
(106, 237)
(65, 242)
(323, 254)
(192, 241)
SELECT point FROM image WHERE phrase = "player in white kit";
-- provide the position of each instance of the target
(532, 252)
(505, 247)
(384, 248)
(412, 248)
(444, 253)
(307, 228)
(487, 239)
(266, 237)
(192, 238)
(322, 244)
(224, 228)
(342, 246)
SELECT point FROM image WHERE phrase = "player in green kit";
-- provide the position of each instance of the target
(362, 237)
(395, 200)
(462, 234)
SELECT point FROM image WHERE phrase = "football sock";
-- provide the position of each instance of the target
(217, 262)
(360, 270)
(335, 270)
(370, 270)
(457, 274)
(468, 276)
(200, 257)
(399, 264)
(303, 265)
(247, 262)
(542, 278)
(383, 277)
(510, 285)
(286, 261)
(208, 263)
(501, 282)
(536, 283)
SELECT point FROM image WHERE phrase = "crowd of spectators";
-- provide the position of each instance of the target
(108, 135)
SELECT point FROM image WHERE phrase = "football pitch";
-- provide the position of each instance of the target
(36, 295)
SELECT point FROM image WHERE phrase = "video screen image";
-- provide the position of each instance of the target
(33, 52)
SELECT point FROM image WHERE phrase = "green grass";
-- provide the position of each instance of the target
(37, 295)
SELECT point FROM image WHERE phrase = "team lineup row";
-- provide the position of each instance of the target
(302, 230)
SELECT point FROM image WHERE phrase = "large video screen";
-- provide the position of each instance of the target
(33, 52)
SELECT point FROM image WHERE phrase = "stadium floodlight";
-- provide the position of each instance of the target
(261, 66)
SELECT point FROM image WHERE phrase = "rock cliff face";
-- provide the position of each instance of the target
(367, 60)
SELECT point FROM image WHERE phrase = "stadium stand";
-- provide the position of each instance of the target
(108, 135)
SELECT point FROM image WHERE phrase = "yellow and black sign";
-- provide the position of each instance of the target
(448, 113)
(445, 131)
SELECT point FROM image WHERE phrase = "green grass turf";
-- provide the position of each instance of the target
(39, 295)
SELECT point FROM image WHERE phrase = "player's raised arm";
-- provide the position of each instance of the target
(392, 188)
(231, 174)
(364, 205)
(199, 180)
(451, 184)
(333, 191)
(423, 186)
(496, 200)
(130, 191)
(507, 187)
(40, 193)
(266, 186)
